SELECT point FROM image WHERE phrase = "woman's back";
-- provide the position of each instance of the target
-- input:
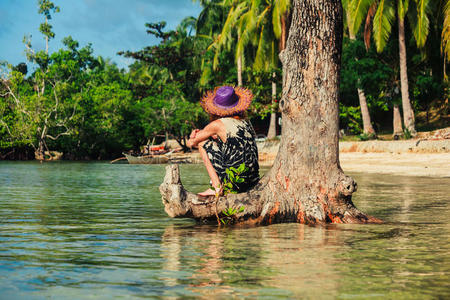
(238, 148)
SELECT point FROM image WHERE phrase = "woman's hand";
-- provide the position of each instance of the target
(192, 136)
(189, 143)
(194, 133)
(197, 135)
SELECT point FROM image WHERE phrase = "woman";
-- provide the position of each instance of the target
(228, 140)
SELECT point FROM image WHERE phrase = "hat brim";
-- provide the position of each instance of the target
(245, 97)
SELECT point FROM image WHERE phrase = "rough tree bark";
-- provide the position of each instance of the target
(306, 183)
(408, 113)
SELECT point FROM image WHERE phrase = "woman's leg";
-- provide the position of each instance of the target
(211, 171)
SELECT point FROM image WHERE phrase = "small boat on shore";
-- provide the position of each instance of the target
(147, 159)
(163, 159)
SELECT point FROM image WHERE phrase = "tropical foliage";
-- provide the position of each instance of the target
(83, 105)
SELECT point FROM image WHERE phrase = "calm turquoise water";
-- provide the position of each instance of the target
(96, 230)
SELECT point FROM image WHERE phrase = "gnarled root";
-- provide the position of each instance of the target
(260, 205)
(180, 203)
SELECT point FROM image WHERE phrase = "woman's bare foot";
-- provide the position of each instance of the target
(208, 192)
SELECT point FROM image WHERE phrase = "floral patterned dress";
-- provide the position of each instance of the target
(240, 147)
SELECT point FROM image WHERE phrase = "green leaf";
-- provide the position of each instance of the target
(418, 17)
(230, 174)
(357, 13)
(445, 36)
(382, 23)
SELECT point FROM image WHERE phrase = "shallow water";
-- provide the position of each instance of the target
(96, 230)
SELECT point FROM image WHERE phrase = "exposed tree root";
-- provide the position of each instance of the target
(259, 208)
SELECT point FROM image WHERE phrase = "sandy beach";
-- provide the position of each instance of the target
(407, 158)
(407, 164)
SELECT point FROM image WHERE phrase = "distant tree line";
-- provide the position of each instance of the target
(395, 55)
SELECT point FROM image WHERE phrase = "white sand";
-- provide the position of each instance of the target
(409, 158)
(408, 164)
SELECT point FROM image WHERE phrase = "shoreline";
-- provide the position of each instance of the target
(430, 158)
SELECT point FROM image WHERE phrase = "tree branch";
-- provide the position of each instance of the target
(180, 203)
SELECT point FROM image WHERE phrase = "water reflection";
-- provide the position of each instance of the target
(98, 230)
(289, 260)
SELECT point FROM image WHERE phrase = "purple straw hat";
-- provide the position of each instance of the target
(226, 101)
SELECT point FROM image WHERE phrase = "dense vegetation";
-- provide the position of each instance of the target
(86, 107)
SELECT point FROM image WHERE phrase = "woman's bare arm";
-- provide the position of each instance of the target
(214, 128)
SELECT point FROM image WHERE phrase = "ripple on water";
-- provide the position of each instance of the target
(75, 230)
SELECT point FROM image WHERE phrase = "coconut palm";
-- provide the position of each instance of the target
(367, 123)
(210, 23)
(258, 24)
(230, 37)
(384, 14)
(264, 25)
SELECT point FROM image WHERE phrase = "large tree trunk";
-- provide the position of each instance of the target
(408, 113)
(306, 183)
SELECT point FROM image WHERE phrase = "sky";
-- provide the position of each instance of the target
(109, 25)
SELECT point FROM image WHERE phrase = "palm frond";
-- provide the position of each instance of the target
(266, 53)
(402, 7)
(224, 39)
(206, 75)
(225, 35)
(382, 23)
(358, 12)
(368, 25)
(247, 30)
(260, 57)
(276, 20)
(445, 37)
(280, 7)
(345, 6)
(418, 16)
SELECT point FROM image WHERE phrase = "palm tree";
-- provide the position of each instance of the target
(210, 24)
(258, 24)
(367, 123)
(228, 36)
(384, 16)
(264, 25)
